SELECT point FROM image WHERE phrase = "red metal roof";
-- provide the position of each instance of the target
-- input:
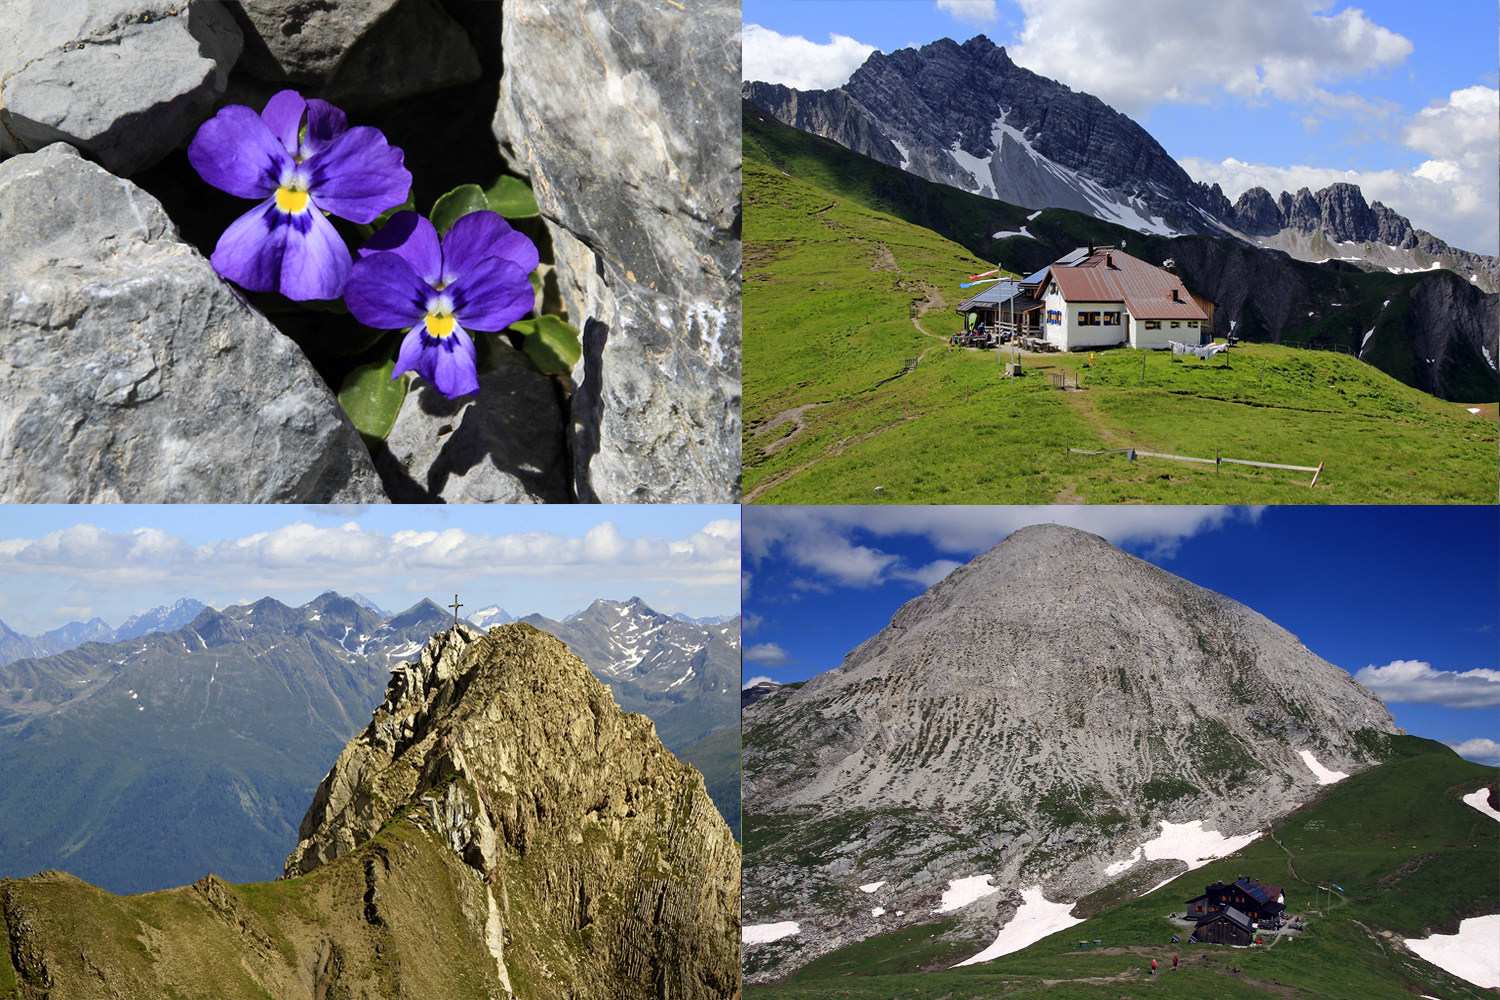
(1109, 275)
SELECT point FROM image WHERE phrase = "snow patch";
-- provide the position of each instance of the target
(1185, 842)
(1036, 919)
(1368, 335)
(1480, 800)
(766, 933)
(871, 887)
(1033, 215)
(1324, 776)
(963, 891)
(1472, 409)
(878, 911)
(1487, 355)
(1472, 954)
(905, 156)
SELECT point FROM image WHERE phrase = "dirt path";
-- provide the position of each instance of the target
(835, 450)
(795, 416)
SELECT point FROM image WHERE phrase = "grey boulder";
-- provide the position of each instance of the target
(124, 82)
(502, 445)
(131, 372)
(359, 53)
(622, 112)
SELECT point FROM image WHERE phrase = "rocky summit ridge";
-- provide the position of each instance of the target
(968, 116)
(1036, 716)
(499, 829)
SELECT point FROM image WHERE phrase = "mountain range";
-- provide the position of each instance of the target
(1052, 718)
(14, 645)
(142, 763)
(968, 116)
(683, 675)
(1435, 331)
(497, 828)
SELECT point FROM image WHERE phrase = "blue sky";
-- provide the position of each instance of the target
(1413, 592)
(62, 563)
(1397, 97)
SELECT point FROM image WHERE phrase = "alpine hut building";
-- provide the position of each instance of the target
(1103, 297)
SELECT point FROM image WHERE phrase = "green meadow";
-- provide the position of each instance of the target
(853, 395)
(1411, 860)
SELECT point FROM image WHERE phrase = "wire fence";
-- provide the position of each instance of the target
(1216, 461)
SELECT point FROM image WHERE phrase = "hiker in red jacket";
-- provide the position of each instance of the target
(1153, 966)
(1174, 963)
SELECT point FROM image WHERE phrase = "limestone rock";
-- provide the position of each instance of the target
(519, 760)
(124, 82)
(622, 113)
(356, 53)
(1035, 716)
(503, 445)
(130, 371)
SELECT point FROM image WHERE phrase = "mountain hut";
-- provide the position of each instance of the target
(1103, 297)
(1226, 926)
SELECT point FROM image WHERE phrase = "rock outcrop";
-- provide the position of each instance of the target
(356, 54)
(622, 114)
(131, 372)
(125, 82)
(1033, 717)
(505, 445)
(518, 757)
(499, 829)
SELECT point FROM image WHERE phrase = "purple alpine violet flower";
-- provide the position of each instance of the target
(301, 159)
(475, 279)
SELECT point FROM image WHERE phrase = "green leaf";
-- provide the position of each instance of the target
(456, 204)
(512, 198)
(549, 342)
(372, 398)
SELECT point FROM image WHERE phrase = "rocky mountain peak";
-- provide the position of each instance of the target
(1036, 716)
(505, 745)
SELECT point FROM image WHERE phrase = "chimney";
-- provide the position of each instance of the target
(1109, 260)
(1175, 297)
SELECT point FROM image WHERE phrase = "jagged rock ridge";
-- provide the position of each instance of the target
(499, 829)
(1034, 716)
(517, 756)
(967, 116)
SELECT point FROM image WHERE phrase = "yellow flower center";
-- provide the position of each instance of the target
(291, 201)
(440, 325)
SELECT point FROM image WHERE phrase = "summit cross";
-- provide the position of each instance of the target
(455, 606)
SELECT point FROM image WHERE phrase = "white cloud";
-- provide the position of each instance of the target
(792, 60)
(767, 654)
(1416, 683)
(751, 622)
(301, 554)
(1480, 751)
(932, 572)
(1455, 194)
(1133, 56)
(976, 12)
(821, 539)
(754, 681)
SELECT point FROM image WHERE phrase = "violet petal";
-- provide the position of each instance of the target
(385, 293)
(283, 116)
(236, 151)
(249, 251)
(315, 264)
(485, 234)
(359, 175)
(414, 239)
(452, 364)
(492, 295)
(325, 123)
(410, 354)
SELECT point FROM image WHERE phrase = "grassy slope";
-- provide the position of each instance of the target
(1412, 860)
(263, 939)
(717, 758)
(830, 290)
